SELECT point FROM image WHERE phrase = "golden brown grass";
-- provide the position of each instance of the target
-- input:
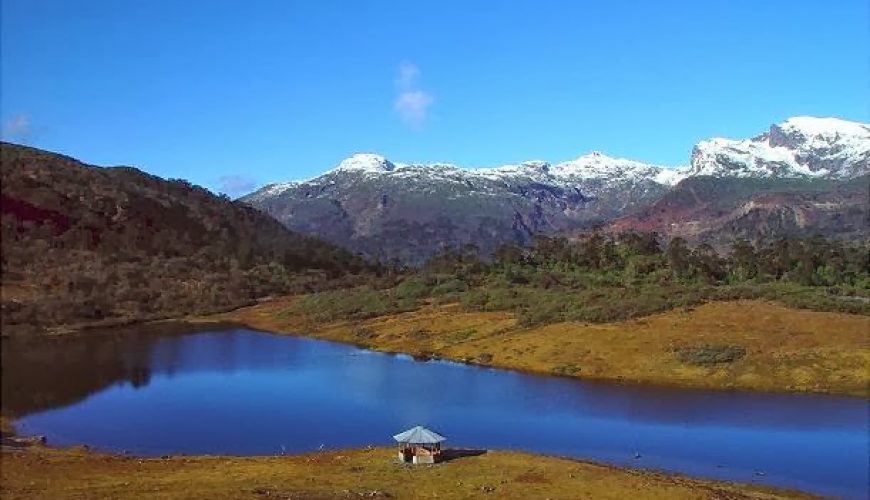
(6, 426)
(786, 349)
(371, 473)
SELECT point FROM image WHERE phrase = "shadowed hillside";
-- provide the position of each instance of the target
(717, 210)
(84, 244)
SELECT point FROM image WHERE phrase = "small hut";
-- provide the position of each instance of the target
(419, 445)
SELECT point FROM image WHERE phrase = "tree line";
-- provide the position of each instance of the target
(812, 261)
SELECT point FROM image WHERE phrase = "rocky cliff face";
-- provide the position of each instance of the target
(389, 210)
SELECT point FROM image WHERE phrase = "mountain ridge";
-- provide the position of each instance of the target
(409, 211)
(813, 131)
(593, 165)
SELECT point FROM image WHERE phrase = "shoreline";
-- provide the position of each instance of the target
(425, 358)
(76, 459)
(265, 317)
(15, 444)
(269, 316)
(818, 363)
(38, 471)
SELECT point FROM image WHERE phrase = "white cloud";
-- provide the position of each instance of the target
(408, 74)
(18, 128)
(412, 103)
(413, 107)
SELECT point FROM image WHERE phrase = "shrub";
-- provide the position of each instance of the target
(419, 334)
(710, 354)
(483, 358)
(412, 288)
(452, 286)
(566, 369)
(364, 334)
(541, 313)
(356, 303)
(460, 336)
(474, 299)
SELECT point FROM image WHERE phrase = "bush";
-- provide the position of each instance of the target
(364, 334)
(357, 303)
(483, 358)
(542, 313)
(420, 334)
(704, 355)
(474, 299)
(566, 369)
(460, 336)
(412, 288)
(452, 286)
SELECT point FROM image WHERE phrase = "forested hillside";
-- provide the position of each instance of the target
(604, 277)
(84, 244)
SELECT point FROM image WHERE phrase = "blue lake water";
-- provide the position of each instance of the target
(243, 392)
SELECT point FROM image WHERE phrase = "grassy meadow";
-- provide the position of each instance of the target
(345, 474)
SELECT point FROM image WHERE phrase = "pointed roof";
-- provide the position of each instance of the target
(419, 435)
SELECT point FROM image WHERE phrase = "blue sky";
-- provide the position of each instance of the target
(232, 94)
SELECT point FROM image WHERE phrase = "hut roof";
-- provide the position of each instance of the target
(419, 435)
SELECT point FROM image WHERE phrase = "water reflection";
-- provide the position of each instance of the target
(244, 392)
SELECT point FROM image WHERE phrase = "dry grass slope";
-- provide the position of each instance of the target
(347, 474)
(741, 345)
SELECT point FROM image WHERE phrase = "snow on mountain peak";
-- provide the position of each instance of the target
(271, 190)
(597, 165)
(536, 164)
(539, 166)
(365, 162)
(802, 146)
(825, 127)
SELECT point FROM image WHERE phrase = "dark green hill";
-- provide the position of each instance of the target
(84, 244)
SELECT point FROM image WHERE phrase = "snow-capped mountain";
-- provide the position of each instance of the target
(401, 210)
(799, 147)
(595, 169)
(409, 211)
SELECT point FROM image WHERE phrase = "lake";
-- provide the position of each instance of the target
(243, 392)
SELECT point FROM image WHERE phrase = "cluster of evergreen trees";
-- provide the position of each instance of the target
(813, 261)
